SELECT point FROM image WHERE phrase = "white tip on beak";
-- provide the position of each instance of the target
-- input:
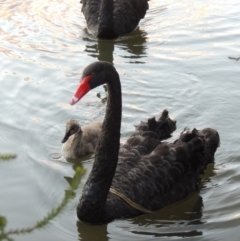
(73, 100)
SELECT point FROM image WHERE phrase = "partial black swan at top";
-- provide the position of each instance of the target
(145, 170)
(109, 19)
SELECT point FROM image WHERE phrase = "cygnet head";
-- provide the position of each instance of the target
(72, 127)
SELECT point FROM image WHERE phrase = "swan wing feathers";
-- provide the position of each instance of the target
(170, 172)
(163, 127)
(128, 13)
(148, 135)
(90, 9)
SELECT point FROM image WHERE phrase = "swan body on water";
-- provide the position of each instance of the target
(145, 171)
(109, 19)
(79, 141)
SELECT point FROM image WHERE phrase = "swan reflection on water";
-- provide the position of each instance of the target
(133, 45)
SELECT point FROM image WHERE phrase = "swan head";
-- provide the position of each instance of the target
(72, 127)
(95, 74)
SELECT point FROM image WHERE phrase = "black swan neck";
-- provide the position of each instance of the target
(106, 23)
(92, 204)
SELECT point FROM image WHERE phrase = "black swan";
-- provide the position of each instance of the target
(80, 141)
(146, 174)
(109, 19)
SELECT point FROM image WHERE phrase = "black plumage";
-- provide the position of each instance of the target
(150, 172)
(109, 19)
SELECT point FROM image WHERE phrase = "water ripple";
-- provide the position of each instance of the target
(177, 59)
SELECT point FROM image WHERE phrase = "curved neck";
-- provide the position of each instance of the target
(76, 142)
(106, 23)
(95, 192)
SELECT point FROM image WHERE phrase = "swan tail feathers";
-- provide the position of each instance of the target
(201, 146)
(164, 126)
(158, 129)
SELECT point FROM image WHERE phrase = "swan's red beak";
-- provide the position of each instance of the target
(82, 90)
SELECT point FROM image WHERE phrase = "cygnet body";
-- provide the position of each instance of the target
(80, 141)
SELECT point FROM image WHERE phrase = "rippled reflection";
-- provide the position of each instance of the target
(88, 232)
(133, 45)
(30, 26)
(184, 56)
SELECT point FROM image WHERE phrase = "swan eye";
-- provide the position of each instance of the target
(93, 74)
(74, 129)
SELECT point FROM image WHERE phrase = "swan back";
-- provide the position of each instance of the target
(111, 18)
(127, 14)
(170, 173)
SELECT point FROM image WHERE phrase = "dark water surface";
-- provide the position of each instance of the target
(176, 59)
